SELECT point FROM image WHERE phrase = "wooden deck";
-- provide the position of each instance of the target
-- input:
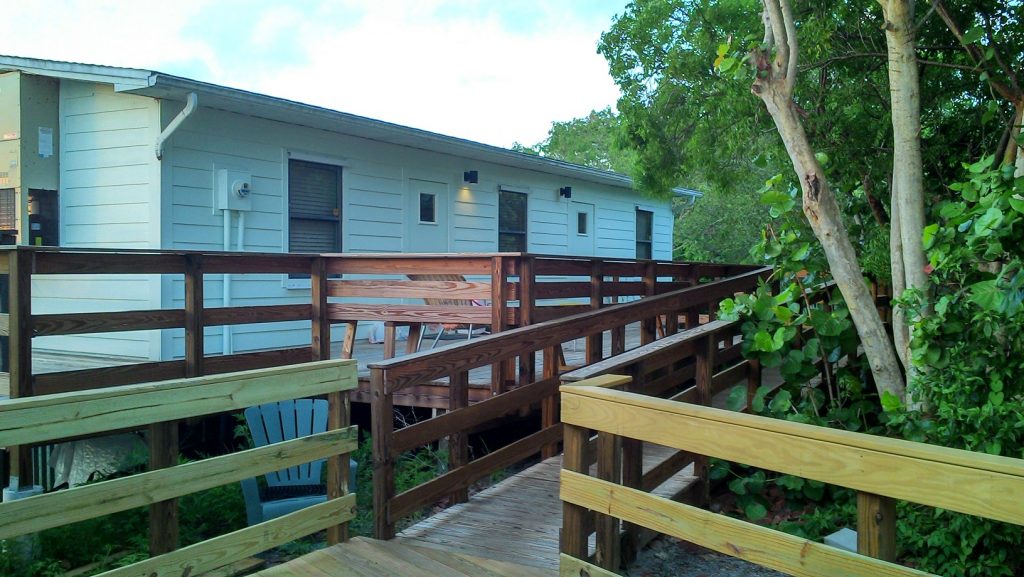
(363, 557)
(510, 529)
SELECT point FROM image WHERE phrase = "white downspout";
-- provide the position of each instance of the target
(241, 231)
(228, 345)
(226, 348)
(190, 106)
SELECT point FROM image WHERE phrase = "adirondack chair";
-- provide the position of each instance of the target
(294, 488)
(444, 327)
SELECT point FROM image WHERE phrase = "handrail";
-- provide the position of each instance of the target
(880, 469)
(390, 376)
(43, 418)
(427, 365)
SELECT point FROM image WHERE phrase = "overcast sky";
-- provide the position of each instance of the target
(497, 71)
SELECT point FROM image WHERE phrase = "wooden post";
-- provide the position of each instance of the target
(753, 382)
(649, 326)
(458, 442)
(20, 263)
(337, 402)
(574, 517)
(348, 345)
(382, 415)
(595, 342)
(618, 340)
(549, 404)
(876, 526)
(609, 468)
(527, 308)
(163, 437)
(499, 319)
(413, 341)
(632, 465)
(389, 340)
(706, 349)
(692, 317)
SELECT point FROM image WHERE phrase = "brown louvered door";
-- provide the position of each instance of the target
(314, 207)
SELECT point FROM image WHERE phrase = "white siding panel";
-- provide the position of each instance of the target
(109, 186)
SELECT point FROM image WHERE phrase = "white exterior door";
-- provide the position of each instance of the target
(427, 222)
(581, 229)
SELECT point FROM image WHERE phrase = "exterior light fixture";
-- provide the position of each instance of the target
(565, 192)
(471, 177)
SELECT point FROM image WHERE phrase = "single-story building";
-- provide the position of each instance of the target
(107, 157)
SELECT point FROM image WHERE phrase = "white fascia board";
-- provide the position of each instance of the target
(121, 78)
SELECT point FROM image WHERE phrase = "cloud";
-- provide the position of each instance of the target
(491, 72)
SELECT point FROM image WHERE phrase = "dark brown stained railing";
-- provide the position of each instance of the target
(523, 389)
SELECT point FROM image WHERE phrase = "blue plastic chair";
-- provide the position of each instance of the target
(294, 488)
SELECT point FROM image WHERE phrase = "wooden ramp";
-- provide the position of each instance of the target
(510, 529)
(363, 557)
(518, 520)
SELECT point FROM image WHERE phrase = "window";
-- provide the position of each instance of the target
(511, 221)
(644, 233)
(314, 207)
(581, 223)
(428, 207)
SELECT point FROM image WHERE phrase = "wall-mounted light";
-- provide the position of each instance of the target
(471, 177)
(565, 192)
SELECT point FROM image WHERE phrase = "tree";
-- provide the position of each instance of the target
(775, 79)
(593, 140)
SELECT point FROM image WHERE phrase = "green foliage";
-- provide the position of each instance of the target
(969, 354)
(412, 469)
(718, 227)
(594, 140)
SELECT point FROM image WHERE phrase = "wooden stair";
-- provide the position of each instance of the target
(363, 557)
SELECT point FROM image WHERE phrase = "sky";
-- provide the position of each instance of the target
(493, 71)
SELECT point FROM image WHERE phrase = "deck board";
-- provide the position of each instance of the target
(517, 520)
(363, 557)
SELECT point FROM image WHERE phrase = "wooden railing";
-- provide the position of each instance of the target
(880, 469)
(518, 289)
(525, 390)
(42, 418)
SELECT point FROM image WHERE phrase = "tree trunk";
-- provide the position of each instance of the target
(774, 85)
(908, 174)
(822, 212)
(900, 330)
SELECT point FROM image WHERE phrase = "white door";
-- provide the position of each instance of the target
(427, 222)
(581, 229)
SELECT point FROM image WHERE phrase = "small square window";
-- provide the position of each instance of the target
(581, 223)
(428, 207)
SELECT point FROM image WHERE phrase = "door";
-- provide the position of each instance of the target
(581, 229)
(427, 221)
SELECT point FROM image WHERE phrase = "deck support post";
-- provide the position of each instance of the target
(595, 342)
(706, 349)
(649, 326)
(338, 469)
(633, 465)
(527, 307)
(876, 526)
(609, 468)
(20, 264)
(499, 321)
(574, 517)
(549, 404)
(458, 442)
(753, 381)
(382, 416)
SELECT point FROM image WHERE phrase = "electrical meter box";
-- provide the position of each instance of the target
(232, 190)
(29, 158)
